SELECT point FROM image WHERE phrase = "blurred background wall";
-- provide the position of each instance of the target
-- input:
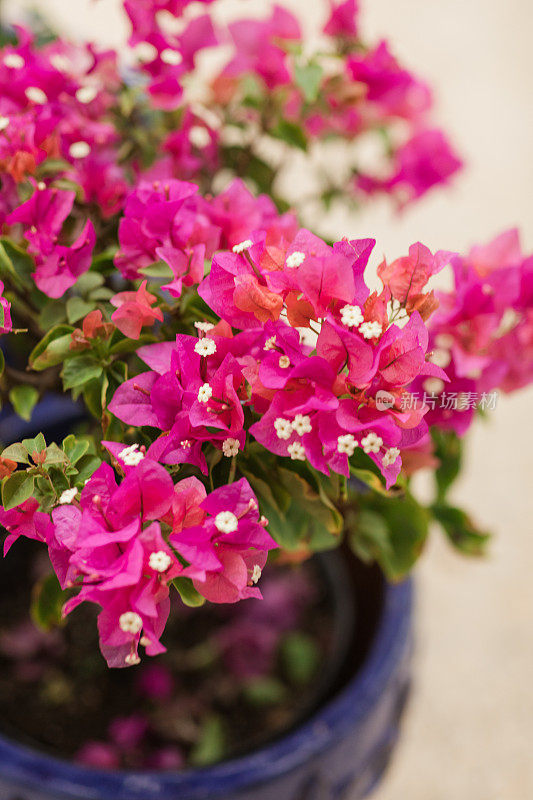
(469, 729)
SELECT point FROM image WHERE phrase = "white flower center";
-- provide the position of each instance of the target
(230, 447)
(440, 357)
(433, 385)
(4, 122)
(171, 57)
(295, 259)
(270, 343)
(132, 660)
(283, 428)
(199, 136)
(14, 61)
(79, 150)
(390, 456)
(371, 330)
(68, 496)
(284, 362)
(204, 326)
(256, 573)
(372, 443)
(130, 622)
(205, 347)
(347, 444)
(242, 246)
(351, 316)
(36, 95)
(226, 522)
(204, 393)
(302, 424)
(86, 94)
(296, 451)
(131, 456)
(159, 561)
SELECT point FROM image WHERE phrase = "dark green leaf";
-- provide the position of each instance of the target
(77, 308)
(52, 349)
(210, 746)
(264, 691)
(300, 657)
(460, 530)
(47, 602)
(291, 133)
(16, 263)
(80, 370)
(16, 489)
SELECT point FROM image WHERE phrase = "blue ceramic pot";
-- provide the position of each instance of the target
(340, 752)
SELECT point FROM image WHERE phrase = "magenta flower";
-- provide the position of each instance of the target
(343, 19)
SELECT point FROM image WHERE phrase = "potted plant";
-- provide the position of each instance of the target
(211, 420)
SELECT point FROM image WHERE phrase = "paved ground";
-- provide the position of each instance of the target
(469, 730)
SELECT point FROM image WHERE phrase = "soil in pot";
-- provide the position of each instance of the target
(234, 677)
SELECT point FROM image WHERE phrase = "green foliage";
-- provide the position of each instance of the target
(52, 349)
(460, 530)
(80, 370)
(15, 264)
(308, 78)
(48, 600)
(291, 133)
(449, 451)
(264, 691)
(211, 743)
(16, 489)
(391, 530)
(300, 657)
(188, 593)
(23, 399)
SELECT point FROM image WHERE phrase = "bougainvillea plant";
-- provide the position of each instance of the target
(250, 396)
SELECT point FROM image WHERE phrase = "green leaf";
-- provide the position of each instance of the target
(308, 79)
(15, 263)
(448, 449)
(2, 362)
(48, 600)
(52, 349)
(77, 308)
(23, 399)
(52, 313)
(88, 282)
(291, 133)
(460, 530)
(407, 524)
(300, 657)
(369, 535)
(16, 452)
(38, 444)
(157, 270)
(188, 593)
(16, 489)
(210, 746)
(370, 479)
(54, 455)
(86, 466)
(265, 691)
(75, 448)
(80, 370)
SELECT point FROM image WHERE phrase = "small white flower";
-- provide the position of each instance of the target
(41, 186)
(86, 94)
(60, 62)
(199, 136)
(371, 330)
(68, 496)
(14, 61)
(230, 447)
(131, 456)
(242, 246)
(270, 343)
(433, 385)
(204, 393)
(256, 573)
(302, 424)
(204, 326)
(171, 57)
(444, 340)
(132, 660)
(205, 347)
(36, 95)
(284, 362)
(79, 150)
(146, 51)
(130, 622)
(296, 451)
(372, 443)
(390, 456)
(351, 316)
(283, 428)
(4, 122)
(440, 357)
(347, 444)
(226, 522)
(186, 443)
(159, 561)
(295, 259)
